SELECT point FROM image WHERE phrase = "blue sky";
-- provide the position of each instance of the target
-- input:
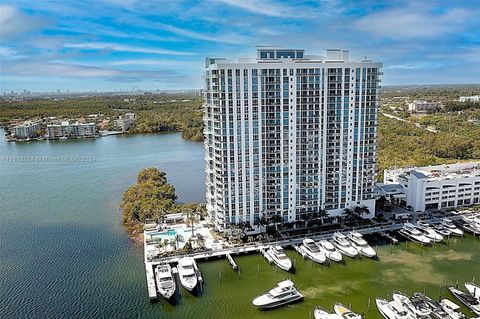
(124, 44)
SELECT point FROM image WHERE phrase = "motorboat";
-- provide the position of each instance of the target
(473, 289)
(188, 273)
(442, 230)
(284, 293)
(276, 255)
(452, 309)
(467, 299)
(392, 309)
(417, 309)
(454, 230)
(311, 250)
(429, 232)
(471, 228)
(344, 313)
(361, 244)
(321, 313)
(165, 280)
(330, 251)
(410, 232)
(437, 311)
(343, 245)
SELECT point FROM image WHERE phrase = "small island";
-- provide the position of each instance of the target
(152, 198)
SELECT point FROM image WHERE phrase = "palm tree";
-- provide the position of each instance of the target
(165, 244)
(191, 218)
(173, 243)
(177, 239)
(322, 214)
(263, 222)
(276, 218)
(357, 212)
(348, 213)
(365, 210)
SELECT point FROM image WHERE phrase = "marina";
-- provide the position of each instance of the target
(274, 254)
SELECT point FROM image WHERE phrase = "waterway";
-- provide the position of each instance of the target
(64, 253)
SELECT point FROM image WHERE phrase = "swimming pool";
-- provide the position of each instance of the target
(157, 236)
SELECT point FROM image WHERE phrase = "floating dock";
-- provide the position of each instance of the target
(152, 289)
(232, 262)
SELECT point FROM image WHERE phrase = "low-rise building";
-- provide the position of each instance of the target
(423, 107)
(438, 187)
(126, 122)
(26, 130)
(67, 130)
(474, 98)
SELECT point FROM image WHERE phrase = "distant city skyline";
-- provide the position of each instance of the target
(110, 45)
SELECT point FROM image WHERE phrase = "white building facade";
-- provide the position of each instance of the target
(27, 129)
(126, 122)
(474, 98)
(423, 107)
(67, 130)
(438, 187)
(289, 134)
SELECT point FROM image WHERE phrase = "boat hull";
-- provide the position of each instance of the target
(279, 303)
(413, 238)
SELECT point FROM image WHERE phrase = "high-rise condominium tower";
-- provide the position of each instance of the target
(289, 134)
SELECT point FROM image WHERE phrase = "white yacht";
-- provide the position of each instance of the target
(422, 300)
(330, 251)
(442, 230)
(278, 256)
(310, 249)
(417, 310)
(166, 285)
(472, 227)
(361, 244)
(473, 289)
(320, 313)
(409, 231)
(452, 309)
(344, 313)
(429, 232)
(283, 293)
(467, 299)
(392, 309)
(454, 230)
(343, 245)
(188, 273)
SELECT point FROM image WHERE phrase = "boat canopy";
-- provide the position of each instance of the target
(451, 304)
(285, 284)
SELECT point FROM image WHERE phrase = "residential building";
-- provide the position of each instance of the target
(424, 107)
(474, 98)
(438, 187)
(67, 130)
(27, 129)
(126, 122)
(289, 134)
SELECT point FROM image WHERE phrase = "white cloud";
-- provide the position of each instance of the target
(413, 22)
(122, 48)
(263, 7)
(155, 62)
(47, 70)
(14, 22)
(223, 38)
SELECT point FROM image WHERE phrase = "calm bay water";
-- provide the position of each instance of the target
(64, 254)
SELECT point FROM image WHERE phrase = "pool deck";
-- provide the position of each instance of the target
(258, 247)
